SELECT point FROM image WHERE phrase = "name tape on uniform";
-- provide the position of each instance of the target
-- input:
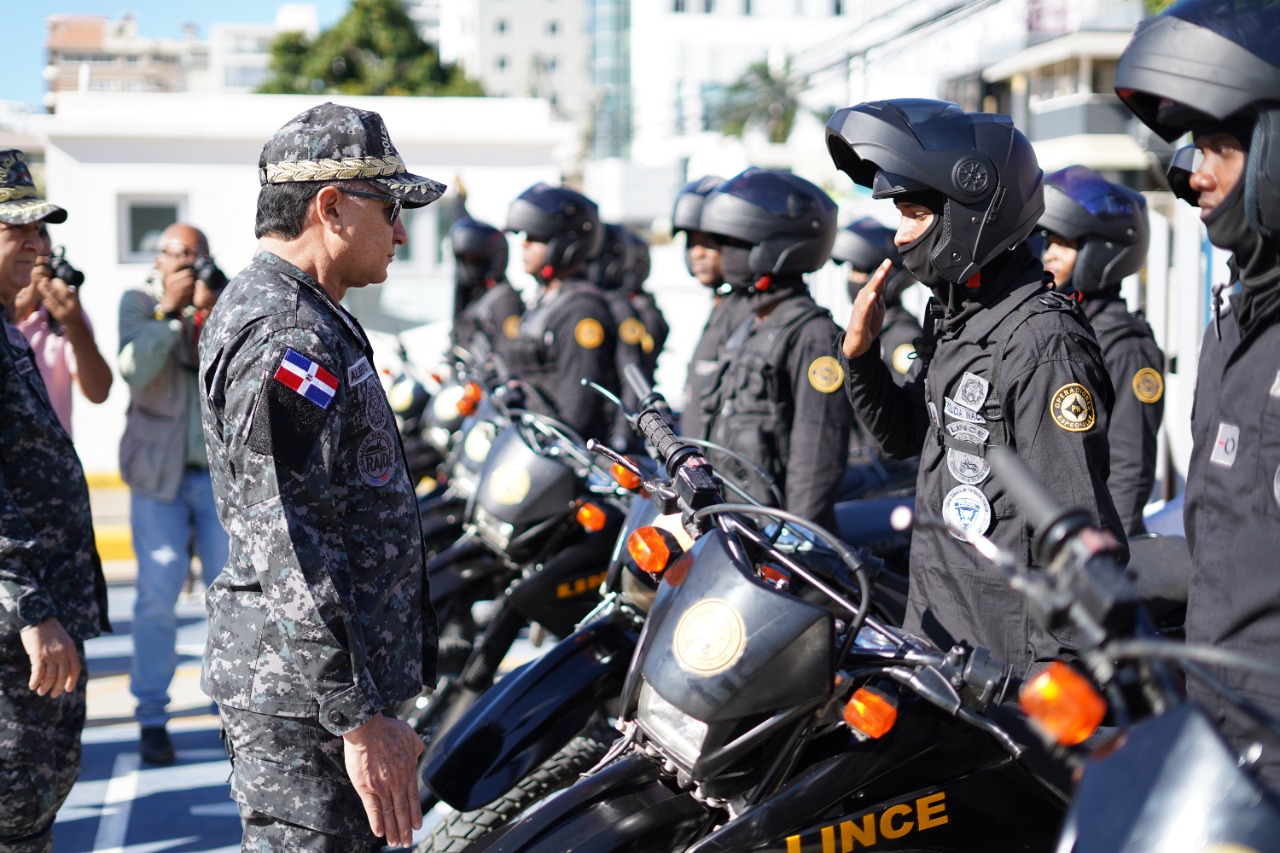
(960, 413)
(971, 433)
(359, 372)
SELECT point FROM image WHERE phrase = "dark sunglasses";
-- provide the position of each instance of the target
(396, 205)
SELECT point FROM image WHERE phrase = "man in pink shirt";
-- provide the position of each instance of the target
(48, 313)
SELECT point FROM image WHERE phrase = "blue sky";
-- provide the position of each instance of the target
(22, 58)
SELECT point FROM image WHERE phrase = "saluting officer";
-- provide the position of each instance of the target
(1008, 363)
(568, 332)
(864, 245)
(1096, 233)
(1213, 69)
(777, 396)
(486, 305)
(320, 624)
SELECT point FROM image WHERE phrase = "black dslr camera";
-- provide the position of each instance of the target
(207, 271)
(60, 267)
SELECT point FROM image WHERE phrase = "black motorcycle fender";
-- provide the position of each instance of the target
(528, 716)
(625, 807)
(461, 566)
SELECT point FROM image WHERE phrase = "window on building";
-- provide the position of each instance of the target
(678, 6)
(500, 63)
(552, 63)
(553, 27)
(500, 25)
(708, 6)
(746, 7)
(142, 221)
(837, 7)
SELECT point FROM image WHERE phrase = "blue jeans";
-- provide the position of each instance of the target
(165, 535)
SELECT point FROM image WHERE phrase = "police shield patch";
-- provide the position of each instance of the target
(1072, 408)
(588, 333)
(1148, 386)
(826, 374)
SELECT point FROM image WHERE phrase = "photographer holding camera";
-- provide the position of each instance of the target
(163, 460)
(49, 314)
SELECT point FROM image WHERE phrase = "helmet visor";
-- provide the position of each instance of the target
(1093, 193)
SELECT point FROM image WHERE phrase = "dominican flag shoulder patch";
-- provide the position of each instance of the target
(307, 378)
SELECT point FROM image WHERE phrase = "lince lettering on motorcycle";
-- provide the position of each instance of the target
(580, 586)
(868, 830)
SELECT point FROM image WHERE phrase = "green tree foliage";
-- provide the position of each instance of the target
(763, 97)
(1155, 7)
(374, 50)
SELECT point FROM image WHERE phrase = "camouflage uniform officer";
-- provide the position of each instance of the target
(320, 622)
(52, 595)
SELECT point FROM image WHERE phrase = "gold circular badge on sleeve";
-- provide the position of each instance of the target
(709, 638)
(648, 343)
(511, 327)
(509, 484)
(1148, 385)
(1072, 408)
(826, 374)
(902, 357)
(588, 333)
(631, 331)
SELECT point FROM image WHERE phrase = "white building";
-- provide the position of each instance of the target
(126, 166)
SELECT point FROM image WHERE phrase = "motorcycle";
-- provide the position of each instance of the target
(547, 721)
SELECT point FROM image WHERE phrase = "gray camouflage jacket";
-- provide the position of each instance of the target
(49, 563)
(322, 610)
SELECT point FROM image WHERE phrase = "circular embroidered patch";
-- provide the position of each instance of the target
(709, 638)
(902, 357)
(588, 333)
(967, 467)
(511, 327)
(1072, 408)
(1148, 385)
(826, 374)
(967, 508)
(375, 405)
(376, 458)
(631, 331)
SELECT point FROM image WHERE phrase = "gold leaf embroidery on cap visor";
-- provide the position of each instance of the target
(346, 169)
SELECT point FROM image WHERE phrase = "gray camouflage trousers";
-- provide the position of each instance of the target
(290, 782)
(39, 752)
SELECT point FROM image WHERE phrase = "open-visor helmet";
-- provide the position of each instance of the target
(1203, 64)
(566, 220)
(864, 244)
(789, 223)
(1108, 220)
(687, 213)
(981, 164)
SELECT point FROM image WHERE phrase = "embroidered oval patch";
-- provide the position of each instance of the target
(511, 327)
(825, 374)
(376, 458)
(631, 331)
(1072, 408)
(1148, 385)
(588, 333)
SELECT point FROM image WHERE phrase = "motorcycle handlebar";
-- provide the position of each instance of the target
(1053, 523)
(658, 433)
(646, 396)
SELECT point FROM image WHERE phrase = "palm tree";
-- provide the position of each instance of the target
(767, 95)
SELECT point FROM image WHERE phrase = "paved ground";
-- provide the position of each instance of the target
(121, 805)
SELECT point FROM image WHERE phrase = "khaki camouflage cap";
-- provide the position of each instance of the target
(336, 143)
(19, 202)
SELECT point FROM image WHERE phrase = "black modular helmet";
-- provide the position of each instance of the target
(1108, 220)
(789, 223)
(864, 244)
(608, 269)
(687, 213)
(983, 166)
(1183, 165)
(566, 220)
(1214, 63)
(640, 265)
(484, 246)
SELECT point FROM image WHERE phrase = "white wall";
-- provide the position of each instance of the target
(101, 148)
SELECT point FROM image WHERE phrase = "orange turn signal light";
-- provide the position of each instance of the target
(473, 392)
(653, 549)
(625, 477)
(1063, 703)
(591, 517)
(466, 406)
(871, 712)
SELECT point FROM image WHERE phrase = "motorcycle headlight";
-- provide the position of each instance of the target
(439, 438)
(672, 730)
(478, 441)
(496, 533)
